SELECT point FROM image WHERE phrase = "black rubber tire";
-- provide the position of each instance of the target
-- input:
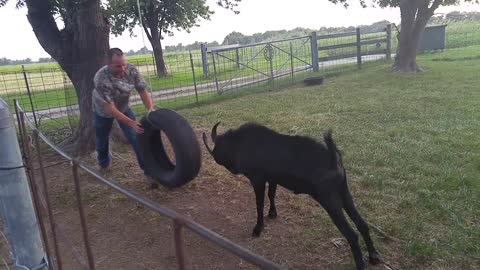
(185, 146)
(313, 80)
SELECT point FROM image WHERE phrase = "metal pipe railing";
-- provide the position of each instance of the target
(179, 220)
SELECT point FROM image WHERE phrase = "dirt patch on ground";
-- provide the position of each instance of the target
(126, 235)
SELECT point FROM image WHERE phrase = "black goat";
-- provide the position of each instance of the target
(299, 164)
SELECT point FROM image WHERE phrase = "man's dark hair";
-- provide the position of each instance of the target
(112, 52)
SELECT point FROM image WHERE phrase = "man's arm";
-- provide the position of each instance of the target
(104, 87)
(146, 99)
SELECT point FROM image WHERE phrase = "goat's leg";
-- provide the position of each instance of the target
(272, 189)
(259, 188)
(362, 226)
(333, 206)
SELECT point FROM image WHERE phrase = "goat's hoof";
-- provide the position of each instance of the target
(257, 231)
(272, 214)
(375, 259)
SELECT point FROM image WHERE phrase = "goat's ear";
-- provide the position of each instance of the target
(214, 132)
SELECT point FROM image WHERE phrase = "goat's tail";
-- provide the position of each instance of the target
(337, 164)
(335, 155)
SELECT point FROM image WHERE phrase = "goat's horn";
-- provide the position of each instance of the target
(206, 144)
(214, 132)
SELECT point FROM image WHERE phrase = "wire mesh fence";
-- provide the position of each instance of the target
(462, 34)
(242, 66)
(193, 77)
(5, 250)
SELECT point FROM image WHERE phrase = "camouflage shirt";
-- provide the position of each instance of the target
(110, 89)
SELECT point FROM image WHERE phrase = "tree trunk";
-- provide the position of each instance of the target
(406, 57)
(159, 61)
(154, 35)
(80, 49)
(414, 19)
(158, 54)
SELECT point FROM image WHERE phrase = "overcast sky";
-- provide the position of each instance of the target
(18, 40)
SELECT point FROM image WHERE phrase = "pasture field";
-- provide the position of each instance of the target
(409, 146)
(51, 88)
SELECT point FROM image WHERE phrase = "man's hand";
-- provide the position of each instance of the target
(137, 127)
(110, 108)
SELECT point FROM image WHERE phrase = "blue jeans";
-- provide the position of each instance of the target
(103, 126)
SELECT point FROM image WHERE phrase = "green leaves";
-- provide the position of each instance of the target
(396, 3)
(20, 3)
(161, 16)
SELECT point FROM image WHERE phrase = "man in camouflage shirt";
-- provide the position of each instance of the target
(114, 84)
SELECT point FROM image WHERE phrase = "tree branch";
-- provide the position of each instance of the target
(40, 16)
(149, 36)
(423, 12)
(161, 24)
(150, 22)
(153, 15)
(435, 5)
(69, 14)
(423, 5)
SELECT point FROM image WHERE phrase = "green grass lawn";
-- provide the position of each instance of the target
(410, 146)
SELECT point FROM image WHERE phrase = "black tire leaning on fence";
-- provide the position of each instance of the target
(184, 144)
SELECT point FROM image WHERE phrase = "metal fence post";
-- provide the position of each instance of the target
(25, 146)
(237, 57)
(215, 72)
(314, 50)
(359, 49)
(81, 211)
(389, 42)
(29, 94)
(18, 212)
(203, 50)
(270, 59)
(68, 103)
(291, 60)
(154, 62)
(43, 178)
(194, 79)
(178, 238)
